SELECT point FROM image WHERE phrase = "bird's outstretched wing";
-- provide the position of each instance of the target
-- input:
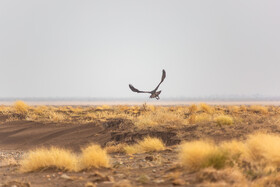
(162, 79)
(136, 90)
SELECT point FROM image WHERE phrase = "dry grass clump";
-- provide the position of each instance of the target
(192, 108)
(223, 177)
(132, 149)
(201, 154)
(259, 109)
(41, 110)
(272, 180)
(200, 118)
(21, 107)
(44, 158)
(119, 148)
(4, 109)
(104, 107)
(234, 109)
(206, 108)
(159, 118)
(257, 156)
(56, 117)
(105, 115)
(264, 147)
(94, 156)
(224, 120)
(235, 149)
(148, 144)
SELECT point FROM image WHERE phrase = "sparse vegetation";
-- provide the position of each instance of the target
(201, 154)
(43, 158)
(263, 147)
(259, 109)
(224, 120)
(161, 117)
(252, 159)
(256, 157)
(94, 156)
(119, 148)
(148, 144)
(200, 118)
(21, 108)
(206, 108)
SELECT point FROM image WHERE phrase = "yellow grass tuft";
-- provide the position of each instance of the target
(259, 109)
(56, 117)
(132, 149)
(192, 119)
(260, 151)
(192, 108)
(44, 158)
(224, 120)
(103, 107)
(235, 149)
(264, 147)
(119, 148)
(200, 154)
(21, 107)
(5, 109)
(234, 109)
(200, 118)
(94, 156)
(40, 110)
(159, 118)
(148, 144)
(206, 108)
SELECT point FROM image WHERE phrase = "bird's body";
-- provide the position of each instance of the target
(154, 93)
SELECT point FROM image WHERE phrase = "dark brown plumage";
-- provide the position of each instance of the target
(154, 93)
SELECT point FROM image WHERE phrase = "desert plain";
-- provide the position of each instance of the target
(140, 145)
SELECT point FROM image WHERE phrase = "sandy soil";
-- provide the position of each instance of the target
(149, 169)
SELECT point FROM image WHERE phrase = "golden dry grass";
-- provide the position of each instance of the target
(224, 120)
(206, 108)
(148, 144)
(94, 156)
(21, 107)
(259, 109)
(201, 154)
(260, 151)
(264, 147)
(193, 108)
(44, 158)
(162, 117)
(132, 149)
(119, 148)
(200, 118)
(235, 149)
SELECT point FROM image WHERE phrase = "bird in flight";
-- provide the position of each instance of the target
(154, 93)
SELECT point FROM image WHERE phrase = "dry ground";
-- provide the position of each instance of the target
(24, 128)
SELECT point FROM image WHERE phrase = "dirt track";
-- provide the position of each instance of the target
(25, 135)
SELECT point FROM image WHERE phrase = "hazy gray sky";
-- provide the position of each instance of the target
(65, 48)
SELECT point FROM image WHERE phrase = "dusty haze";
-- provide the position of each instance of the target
(96, 48)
